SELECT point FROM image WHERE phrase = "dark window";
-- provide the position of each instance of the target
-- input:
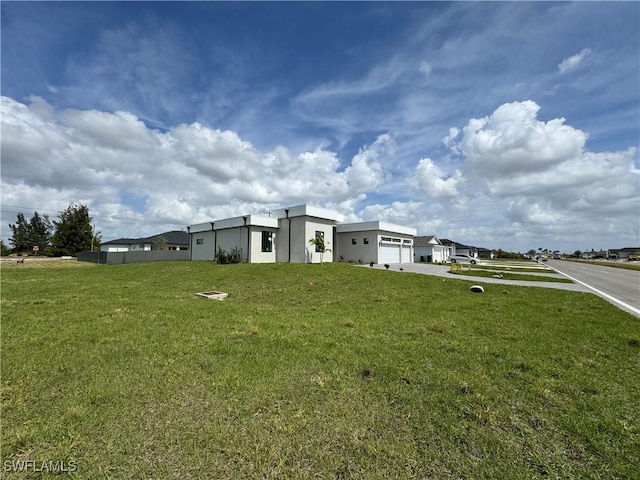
(390, 239)
(353, 241)
(267, 241)
(365, 241)
(319, 234)
(200, 241)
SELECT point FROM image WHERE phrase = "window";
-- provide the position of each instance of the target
(365, 241)
(267, 241)
(200, 241)
(406, 241)
(319, 234)
(354, 241)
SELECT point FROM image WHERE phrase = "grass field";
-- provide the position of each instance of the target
(522, 271)
(613, 264)
(311, 371)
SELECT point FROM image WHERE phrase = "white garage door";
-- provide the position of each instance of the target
(406, 254)
(389, 253)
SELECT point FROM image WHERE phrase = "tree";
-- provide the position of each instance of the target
(20, 235)
(73, 231)
(96, 241)
(160, 243)
(39, 233)
(4, 250)
(318, 241)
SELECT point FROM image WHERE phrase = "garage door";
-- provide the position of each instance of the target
(389, 253)
(406, 254)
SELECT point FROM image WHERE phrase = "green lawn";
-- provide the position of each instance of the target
(312, 371)
(490, 272)
(613, 264)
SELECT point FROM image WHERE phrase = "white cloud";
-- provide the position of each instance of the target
(512, 142)
(430, 179)
(453, 135)
(425, 68)
(544, 180)
(518, 181)
(187, 174)
(402, 213)
(572, 63)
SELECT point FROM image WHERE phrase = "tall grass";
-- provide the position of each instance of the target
(325, 371)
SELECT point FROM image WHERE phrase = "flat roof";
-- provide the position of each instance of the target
(376, 225)
(309, 211)
(234, 222)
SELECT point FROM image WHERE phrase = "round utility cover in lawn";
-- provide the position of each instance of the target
(477, 289)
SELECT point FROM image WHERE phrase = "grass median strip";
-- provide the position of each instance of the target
(476, 271)
(327, 370)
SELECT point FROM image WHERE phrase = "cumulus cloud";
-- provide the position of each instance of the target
(512, 141)
(572, 63)
(186, 174)
(451, 138)
(542, 176)
(513, 177)
(430, 179)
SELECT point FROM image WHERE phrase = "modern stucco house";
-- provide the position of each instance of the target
(284, 237)
(173, 240)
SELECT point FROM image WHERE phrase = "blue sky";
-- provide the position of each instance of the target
(509, 125)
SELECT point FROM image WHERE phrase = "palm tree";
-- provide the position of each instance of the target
(320, 246)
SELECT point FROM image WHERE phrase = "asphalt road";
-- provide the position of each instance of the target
(619, 286)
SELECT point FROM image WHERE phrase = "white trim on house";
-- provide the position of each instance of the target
(377, 225)
(308, 211)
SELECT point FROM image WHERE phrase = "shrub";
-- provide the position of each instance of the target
(225, 258)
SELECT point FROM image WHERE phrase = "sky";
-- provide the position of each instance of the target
(512, 125)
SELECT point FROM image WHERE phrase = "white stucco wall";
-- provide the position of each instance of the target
(257, 255)
(230, 238)
(311, 226)
(360, 251)
(205, 250)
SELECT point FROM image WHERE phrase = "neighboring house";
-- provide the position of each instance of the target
(623, 253)
(174, 240)
(593, 255)
(485, 253)
(430, 249)
(284, 237)
(377, 242)
(459, 248)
